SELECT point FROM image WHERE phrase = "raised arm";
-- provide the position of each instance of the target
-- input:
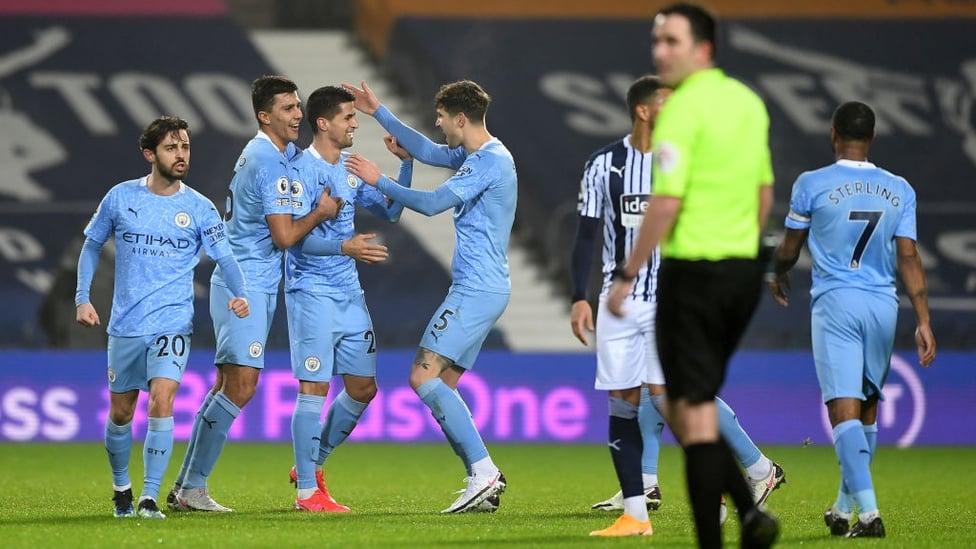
(418, 144)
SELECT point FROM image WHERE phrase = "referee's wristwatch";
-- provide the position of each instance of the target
(621, 274)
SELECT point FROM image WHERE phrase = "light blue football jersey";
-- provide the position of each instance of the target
(157, 245)
(265, 183)
(854, 211)
(334, 273)
(487, 183)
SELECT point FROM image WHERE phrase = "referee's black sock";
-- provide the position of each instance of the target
(705, 475)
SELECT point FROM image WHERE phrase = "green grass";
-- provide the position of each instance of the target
(60, 495)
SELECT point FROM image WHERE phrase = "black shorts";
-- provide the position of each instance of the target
(703, 308)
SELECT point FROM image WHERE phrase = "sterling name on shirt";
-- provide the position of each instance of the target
(863, 188)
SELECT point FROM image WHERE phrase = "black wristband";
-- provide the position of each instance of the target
(620, 274)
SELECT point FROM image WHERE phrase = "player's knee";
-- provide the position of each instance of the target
(121, 416)
(361, 390)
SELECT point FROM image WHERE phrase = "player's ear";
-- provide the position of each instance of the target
(149, 155)
(264, 117)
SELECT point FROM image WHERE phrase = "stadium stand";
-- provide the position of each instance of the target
(557, 105)
(75, 92)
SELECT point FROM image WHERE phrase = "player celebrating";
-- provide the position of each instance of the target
(329, 327)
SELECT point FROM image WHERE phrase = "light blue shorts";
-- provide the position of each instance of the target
(241, 340)
(853, 332)
(460, 325)
(330, 334)
(133, 361)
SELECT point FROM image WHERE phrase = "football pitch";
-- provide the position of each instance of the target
(59, 495)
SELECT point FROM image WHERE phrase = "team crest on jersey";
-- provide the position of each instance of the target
(632, 208)
(182, 219)
(284, 187)
(255, 349)
(111, 375)
(666, 157)
(312, 364)
(352, 180)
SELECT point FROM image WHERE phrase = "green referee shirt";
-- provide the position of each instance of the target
(711, 149)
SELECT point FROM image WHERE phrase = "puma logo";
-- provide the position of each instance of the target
(619, 171)
(614, 444)
(134, 212)
(210, 424)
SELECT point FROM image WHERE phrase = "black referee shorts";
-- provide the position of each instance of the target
(703, 308)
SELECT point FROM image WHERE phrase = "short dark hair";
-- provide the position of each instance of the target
(160, 128)
(704, 27)
(854, 121)
(463, 96)
(326, 102)
(640, 91)
(265, 88)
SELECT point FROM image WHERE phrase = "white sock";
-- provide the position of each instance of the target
(650, 480)
(483, 468)
(305, 493)
(866, 518)
(635, 507)
(760, 469)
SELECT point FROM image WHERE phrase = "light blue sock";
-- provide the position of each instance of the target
(156, 453)
(191, 444)
(118, 444)
(651, 426)
(735, 436)
(216, 422)
(845, 501)
(455, 420)
(455, 446)
(855, 459)
(871, 434)
(306, 431)
(343, 415)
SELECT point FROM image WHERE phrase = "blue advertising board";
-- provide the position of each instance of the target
(513, 397)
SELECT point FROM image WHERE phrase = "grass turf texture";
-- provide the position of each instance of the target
(60, 495)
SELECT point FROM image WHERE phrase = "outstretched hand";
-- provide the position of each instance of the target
(394, 147)
(364, 100)
(359, 248)
(363, 168)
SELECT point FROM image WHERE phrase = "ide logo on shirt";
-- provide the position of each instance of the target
(632, 208)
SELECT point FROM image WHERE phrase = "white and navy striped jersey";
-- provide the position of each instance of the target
(616, 187)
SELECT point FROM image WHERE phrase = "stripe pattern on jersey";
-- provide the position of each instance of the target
(616, 187)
